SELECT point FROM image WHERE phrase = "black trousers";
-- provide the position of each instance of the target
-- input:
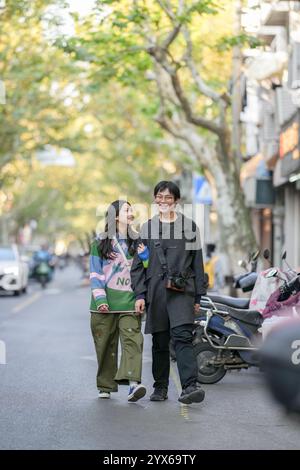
(186, 360)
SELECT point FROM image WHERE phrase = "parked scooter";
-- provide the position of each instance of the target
(225, 338)
(245, 281)
(229, 336)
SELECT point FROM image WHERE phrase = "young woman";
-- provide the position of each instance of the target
(113, 312)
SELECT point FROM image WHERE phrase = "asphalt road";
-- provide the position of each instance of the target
(48, 396)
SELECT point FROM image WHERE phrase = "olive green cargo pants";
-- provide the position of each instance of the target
(107, 328)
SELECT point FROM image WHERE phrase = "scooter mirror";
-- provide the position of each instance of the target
(283, 255)
(272, 273)
(242, 263)
(266, 254)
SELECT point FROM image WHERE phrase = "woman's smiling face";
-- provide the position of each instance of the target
(125, 216)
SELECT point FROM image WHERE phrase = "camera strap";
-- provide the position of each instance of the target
(161, 256)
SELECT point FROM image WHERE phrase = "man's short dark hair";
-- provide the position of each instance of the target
(172, 187)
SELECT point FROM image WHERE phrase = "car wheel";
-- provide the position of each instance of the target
(17, 293)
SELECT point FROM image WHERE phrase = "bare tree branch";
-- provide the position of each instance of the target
(171, 36)
(161, 59)
(167, 125)
(197, 120)
(181, 5)
(167, 8)
(201, 85)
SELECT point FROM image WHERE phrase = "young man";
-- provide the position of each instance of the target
(171, 287)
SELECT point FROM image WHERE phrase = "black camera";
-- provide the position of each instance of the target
(176, 283)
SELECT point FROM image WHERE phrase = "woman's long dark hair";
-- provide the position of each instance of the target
(111, 229)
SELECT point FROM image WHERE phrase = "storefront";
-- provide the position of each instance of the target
(290, 172)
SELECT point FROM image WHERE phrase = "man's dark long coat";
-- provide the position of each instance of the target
(167, 309)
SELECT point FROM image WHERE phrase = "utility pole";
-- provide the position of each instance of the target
(237, 61)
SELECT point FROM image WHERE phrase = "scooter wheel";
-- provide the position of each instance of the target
(207, 373)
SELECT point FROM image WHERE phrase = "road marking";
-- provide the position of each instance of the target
(53, 291)
(27, 302)
(184, 411)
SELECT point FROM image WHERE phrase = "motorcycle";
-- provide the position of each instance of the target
(229, 336)
(43, 273)
(225, 338)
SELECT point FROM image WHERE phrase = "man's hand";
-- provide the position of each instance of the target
(140, 306)
(103, 308)
(197, 308)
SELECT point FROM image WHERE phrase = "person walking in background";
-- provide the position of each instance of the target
(213, 268)
(113, 309)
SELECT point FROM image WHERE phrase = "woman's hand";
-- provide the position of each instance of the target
(103, 308)
(197, 308)
(140, 306)
(141, 248)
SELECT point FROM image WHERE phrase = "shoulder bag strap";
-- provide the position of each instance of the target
(161, 256)
(127, 264)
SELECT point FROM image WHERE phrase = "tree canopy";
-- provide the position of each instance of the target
(108, 90)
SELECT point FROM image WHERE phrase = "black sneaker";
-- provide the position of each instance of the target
(159, 394)
(192, 394)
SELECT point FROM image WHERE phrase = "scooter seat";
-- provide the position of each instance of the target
(230, 301)
(246, 316)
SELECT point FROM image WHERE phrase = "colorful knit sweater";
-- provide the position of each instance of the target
(110, 279)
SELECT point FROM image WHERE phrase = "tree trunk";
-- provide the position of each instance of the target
(214, 156)
(236, 236)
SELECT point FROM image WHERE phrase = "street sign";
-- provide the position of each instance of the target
(201, 190)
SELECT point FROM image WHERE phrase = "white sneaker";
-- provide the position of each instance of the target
(136, 392)
(103, 394)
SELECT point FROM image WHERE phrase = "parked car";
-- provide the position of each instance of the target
(13, 270)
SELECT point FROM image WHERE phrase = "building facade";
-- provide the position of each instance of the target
(271, 122)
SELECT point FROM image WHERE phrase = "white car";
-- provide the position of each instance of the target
(13, 270)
